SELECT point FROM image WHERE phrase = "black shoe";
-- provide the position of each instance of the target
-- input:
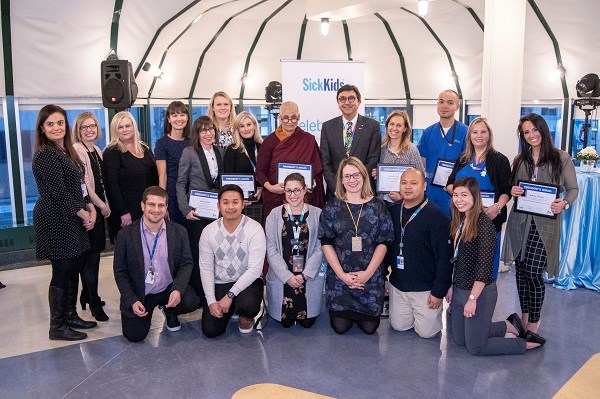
(515, 320)
(59, 330)
(385, 310)
(84, 299)
(535, 338)
(73, 319)
(98, 312)
(172, 320)
(2, 285)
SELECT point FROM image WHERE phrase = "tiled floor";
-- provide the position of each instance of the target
(185, 364)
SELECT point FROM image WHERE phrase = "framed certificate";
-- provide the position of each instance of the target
(487, 198)
(536, 199)
(441, 173)
(204, 203)
(285, 169)
(388, 177)
(245, 181)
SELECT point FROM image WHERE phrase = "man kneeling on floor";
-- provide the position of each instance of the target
(232, 252)
(152, 265)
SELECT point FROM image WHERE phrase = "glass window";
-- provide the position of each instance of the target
(380, 114)
(6, 214)
(266, 122)
(592, 140)
(27, 119)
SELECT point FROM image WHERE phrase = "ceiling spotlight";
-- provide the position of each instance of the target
(155, 71)
(557, 73)
(423, 6)
(197, 18)
(588, 86)
(324, 26)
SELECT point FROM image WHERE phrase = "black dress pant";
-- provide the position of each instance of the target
(194, 229)
(136, 328)
(246, 304)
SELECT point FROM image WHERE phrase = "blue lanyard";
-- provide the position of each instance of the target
(403, 228)
(150, 253)
(457, 240)
(296, 230)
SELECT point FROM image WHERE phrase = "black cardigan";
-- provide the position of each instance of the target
(498, 168)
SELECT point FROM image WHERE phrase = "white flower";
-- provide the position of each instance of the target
(588, 153)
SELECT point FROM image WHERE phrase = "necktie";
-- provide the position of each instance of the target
(349, 135)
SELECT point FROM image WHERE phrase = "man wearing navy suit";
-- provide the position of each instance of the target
(350, 134)
(152, 266)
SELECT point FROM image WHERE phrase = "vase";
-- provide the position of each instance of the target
(587, 165)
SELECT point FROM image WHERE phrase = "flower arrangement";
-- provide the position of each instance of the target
(588, 154)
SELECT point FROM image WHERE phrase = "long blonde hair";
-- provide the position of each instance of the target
(115, 141)
(340, 190)
(238, 142)
(469, 151)
(405, 138)
(211, 111)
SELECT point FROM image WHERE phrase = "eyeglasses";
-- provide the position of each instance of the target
(296, 191)
(206, 130)
(355, 176)
(88, 127)
(350, 99)
(287, 119)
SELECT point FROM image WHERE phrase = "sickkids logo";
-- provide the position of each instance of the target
(319, 84)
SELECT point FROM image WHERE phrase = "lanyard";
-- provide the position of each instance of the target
(457, 240)
(445, 136)
(403, 228)
(296, 229)
(355, 222)
(249, 159)
(150, 253)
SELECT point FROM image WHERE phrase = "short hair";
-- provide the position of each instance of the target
(230, 187)
(201, 123)
(41, 140)
(115, 141)
(295, 177)
(419, 171)
(405, 138)
(348, 88)
(76, 132)
(211, 111)
(288, 104)
(156, 191)
(176, 107)
(340, 190)
(453, 92)
(238, 143)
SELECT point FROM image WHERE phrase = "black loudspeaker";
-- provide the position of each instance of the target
(119, 89)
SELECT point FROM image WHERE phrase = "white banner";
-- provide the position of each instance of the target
(313, 86)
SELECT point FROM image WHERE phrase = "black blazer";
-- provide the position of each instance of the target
(129, 263)
(498, 167)
(366, 146)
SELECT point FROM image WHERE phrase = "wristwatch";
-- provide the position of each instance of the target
(471, 296)
(567, 203)
(230, 295)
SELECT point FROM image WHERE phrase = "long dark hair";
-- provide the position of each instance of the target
(176, 107)
(548, 153)
(41, 140)
(201, 123)
(469, 230)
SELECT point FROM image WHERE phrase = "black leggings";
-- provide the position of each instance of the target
(341, 325)
(306, 323)
(89, 276)
(65, 270)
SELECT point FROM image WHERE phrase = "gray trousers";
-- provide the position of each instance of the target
(478, 333)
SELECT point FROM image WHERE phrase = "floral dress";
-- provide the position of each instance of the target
(294, 299)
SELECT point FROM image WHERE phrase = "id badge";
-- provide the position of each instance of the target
(150, 277)
(400, 262)
(84, 189)
(297, 263)
(356, 244)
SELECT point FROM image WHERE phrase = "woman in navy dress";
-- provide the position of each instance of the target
(167, 153)
(354, 229)
(491, 169)
(130, 168)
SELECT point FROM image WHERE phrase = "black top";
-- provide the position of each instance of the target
(475, 261)
(235, 160)
(427, 250)
(98, 172)
(498, 168)
(59, 232)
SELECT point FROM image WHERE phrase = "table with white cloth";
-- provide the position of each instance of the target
(579, 264)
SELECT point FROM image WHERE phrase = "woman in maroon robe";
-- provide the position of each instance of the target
(288, 144)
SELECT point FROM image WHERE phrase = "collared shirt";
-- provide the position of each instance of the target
(354, 120)
(212, 162)
(160, 263)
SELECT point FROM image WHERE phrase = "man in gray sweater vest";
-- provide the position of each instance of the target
(232, 252)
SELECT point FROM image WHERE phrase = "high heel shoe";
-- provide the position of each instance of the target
(98, 313)
(515, 320)
(535, 338)
(84, 299)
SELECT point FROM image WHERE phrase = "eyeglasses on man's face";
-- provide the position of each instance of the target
(355, 176)
(289, 118)
(350, 99)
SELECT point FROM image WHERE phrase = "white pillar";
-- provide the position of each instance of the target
(502, 79)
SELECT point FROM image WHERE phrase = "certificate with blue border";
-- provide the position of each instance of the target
(537, 198)
(388, 177)
(487, 198)
(204, 204)
(286, 169)
(245, 181)
(441, 173)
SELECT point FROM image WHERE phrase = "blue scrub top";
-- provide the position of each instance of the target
(479, 172)
(434, 146)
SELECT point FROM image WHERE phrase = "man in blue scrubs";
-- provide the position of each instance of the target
(444, 140)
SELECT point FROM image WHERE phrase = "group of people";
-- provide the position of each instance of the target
(430, 241)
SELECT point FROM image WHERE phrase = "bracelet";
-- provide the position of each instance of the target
(499, 207)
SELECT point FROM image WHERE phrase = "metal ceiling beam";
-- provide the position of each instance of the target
(347, 38)
(472, 12)
(301, 39)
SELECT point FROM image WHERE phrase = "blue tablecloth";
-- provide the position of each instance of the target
(579, 264)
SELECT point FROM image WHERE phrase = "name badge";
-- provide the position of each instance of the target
(356, 244)
(400, 262)
(150, 277)
(297, 263)
(84, 189)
